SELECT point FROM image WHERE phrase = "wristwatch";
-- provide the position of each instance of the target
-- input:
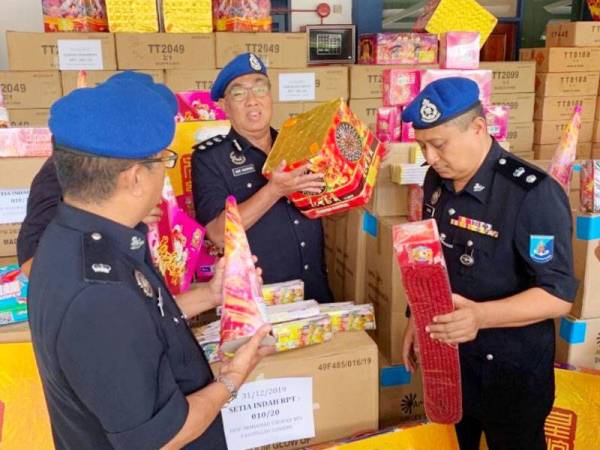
(233, 392)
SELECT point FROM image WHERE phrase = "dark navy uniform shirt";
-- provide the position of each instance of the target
(288, 244)
(115, 370)
(43, 199)
(507, 373)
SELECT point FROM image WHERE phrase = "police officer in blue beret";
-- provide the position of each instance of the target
(505, 227)
(119, 365)
(288, 244)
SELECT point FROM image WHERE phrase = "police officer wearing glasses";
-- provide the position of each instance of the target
(287, 244)
(119, 366)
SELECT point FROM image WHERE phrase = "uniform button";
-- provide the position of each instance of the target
(175, 319)
(502, 161)
(96, 236)
(302, 244)
(469, 243)
(296, 222)
(451, 211)
(489, 357)
(289, 202)
(306, 267)
(249, 185)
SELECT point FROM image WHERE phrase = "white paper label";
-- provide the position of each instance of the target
(270, 411)
(297, 87)
(13, 205)
(80, 54)
(413, 174)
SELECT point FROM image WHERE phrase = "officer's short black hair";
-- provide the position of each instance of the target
(464, 120)
(88, 178)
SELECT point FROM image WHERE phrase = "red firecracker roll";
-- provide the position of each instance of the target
(425, 279)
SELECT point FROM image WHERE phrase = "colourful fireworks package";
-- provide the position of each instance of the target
(561, 167)
(175, 243)
(302, 333)
(74, 15)
(282, 293)
(400, 86)
(459, 50)
(243, 311)
(482, 77)
(132, 16)
(19, 142)
(293, 311)
(425, 279)
(348, 316)
(496, 117)
(415, 202)
(197, 105)
(242, 15)
(187, 16)
(13, 295)
(590, 186)
(335, 143)
(388, 126)
(407, 132)
(398, 48)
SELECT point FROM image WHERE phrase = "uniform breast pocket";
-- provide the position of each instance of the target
(474, 250)
(244, 187)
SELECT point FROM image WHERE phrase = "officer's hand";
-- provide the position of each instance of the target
(597, 252)
(153, 216)
(410, 352)
(215, 285)
(461, 325)
(247, 357)
(286, 183)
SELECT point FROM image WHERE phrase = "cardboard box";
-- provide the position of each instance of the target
(520, 136)
(383, 286)
(526, 54)
(521, 106)
(550, 131)
(345, 384)
(596, 131)
(577, 344)
(561, 108)
(567, 59)
(511, 76)
(39, 51)
(585, 242)
(17, 174)
(400, 395)
(366, 81)
(355, 255)
(573, 34)
(165, 50)
(595, 150)
(25, 90)
(329, 245)
(366, 110)
(190, 80)
(95, 77)
(329, 83)
(546, 151)
(26, 118)
(335, 234)
(277, 50)
(566, 84)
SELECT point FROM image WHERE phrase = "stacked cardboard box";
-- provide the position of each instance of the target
(578, 342)
(568, 75)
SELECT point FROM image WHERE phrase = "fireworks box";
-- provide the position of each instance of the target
(336, 144)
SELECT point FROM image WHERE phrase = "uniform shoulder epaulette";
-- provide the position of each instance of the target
(99, 261)
(520, 172)
(211, 142)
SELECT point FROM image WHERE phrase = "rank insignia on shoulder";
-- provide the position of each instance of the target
(98, 259)
(541, 248)
(208, 143)
(520, 172)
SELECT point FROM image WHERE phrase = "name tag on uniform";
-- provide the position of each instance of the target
(244, 170)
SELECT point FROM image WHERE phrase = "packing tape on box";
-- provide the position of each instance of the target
(572, 331)
(394, 376)
(369, 224)
(587, 227)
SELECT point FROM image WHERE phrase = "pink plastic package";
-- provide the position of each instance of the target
(497, 121)
(197, 105)
(459, 50)
(175, 243)
(387, 127)
(398, 48)
(482, 77)
(408, 132)
(242, 15)
(19, 142)
(400, 86)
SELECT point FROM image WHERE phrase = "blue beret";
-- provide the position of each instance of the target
(441, 101)
(128, 117)
(243, 64)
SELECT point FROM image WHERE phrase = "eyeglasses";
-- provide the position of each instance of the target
(169, 159)
(240, 93)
